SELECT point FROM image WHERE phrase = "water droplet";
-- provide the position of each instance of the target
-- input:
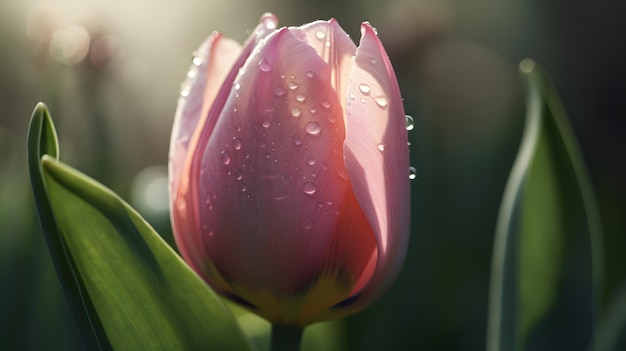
(300, 97)
(310, 161)
(248, 195)
(265, 123)
(320, 35)
(184, 90)
(307, 223)
(192, 73)
(296, 112)
(292, 85)
(246, 154)
(238, 174)
(313, 128)
(264, 65)
(410, 122)
(235, 109)
(351, 96)
(381, 147)
(269, 20)
(197, 61)
(279, 91)
(236, 143)
(381, 101)
(225, 157)
(373, 61)
(320, 205)
(332, 118)
(309, 188)
(282, 76)
(325, 104)
(237, 86)
(327, 43)
(297, 141)
(239, 127)
(365, 89)
(310, 74)
(313, 110)
(242, 187)
(412, 173)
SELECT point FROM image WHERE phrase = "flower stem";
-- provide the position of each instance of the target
(286, 338)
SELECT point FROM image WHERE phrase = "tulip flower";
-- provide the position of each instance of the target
(288, 170)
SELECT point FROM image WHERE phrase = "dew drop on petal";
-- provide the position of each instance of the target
(297, 141)
(265, 66)
(381, 147)
(381, 101)
(310, 74)
(412, 173)
(292, 85)
(311, 161)
(300, 97)
(236, 143)
(309, 188)
(269, 20)
(313, 110)
(332, 118)
(364, 89)
(238, 174)
(325, 104)
(410, 122)
(296, 112)
(192, 73)
(320, 35)
(237, 86)
(197, 61)
(225, 157)
(279, 91)
(307, 223)
(313, 128)
(184, 90)
(351, 96)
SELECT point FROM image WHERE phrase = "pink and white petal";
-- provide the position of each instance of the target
(210, 65)
(185, 204)
(334, 46)
(376, 156)
(272, 173)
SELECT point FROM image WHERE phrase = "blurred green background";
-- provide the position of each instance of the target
(110, 73)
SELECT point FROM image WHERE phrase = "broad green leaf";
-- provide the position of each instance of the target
(146, 297)
(546, 263)
(42, 140)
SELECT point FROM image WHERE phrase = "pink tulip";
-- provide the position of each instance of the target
(289, 170)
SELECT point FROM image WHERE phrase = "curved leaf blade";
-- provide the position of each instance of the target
(145, 295)
(546, 267)
(42, 140)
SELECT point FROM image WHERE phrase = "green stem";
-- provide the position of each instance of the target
(286, 338)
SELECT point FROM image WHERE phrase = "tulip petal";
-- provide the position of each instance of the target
(210, 65)
(334, 46)
(272, 172)
(185, 211)
(376, 155)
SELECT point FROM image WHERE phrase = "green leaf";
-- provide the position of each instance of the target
(126, 287)
(546, 264)
(42, 140)
(145, 295)
(612, 328)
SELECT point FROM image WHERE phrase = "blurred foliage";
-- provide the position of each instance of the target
(456, 62)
